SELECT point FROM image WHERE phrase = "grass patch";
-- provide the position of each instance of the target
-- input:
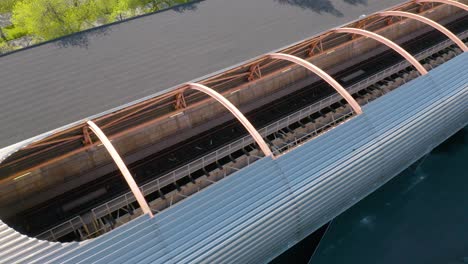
(4, 47)
(12, 32)
(6, 6)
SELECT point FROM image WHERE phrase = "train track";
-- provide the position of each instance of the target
(160, 163)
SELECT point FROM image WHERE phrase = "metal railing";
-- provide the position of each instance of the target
(73, 225)
(155, 185)
(317, 131)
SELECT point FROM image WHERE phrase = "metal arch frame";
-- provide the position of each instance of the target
(429, 22)
(330, 80)
(388, 43)
(122, 167)
(447, 2)
(235, 111)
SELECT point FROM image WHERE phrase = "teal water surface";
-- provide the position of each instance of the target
(420, 216)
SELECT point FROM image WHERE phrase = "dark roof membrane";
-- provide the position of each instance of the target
(67, 80)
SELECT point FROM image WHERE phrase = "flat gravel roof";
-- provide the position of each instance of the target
(60, 82)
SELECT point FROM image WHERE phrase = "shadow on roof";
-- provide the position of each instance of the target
(81, 39)
(319, 6)
(356, 2)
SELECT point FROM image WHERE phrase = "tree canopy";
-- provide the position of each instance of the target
(6, 5)
(48, 19)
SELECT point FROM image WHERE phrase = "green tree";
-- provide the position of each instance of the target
(84, 13)
(104, 9)
(48, 19)
(6, 5)
(126, 8)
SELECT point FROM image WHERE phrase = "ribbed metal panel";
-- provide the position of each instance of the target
(210, 226)
(15, 247)
(397, 129)
(262, 210)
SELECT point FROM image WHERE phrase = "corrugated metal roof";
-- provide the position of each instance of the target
(15, 247)
(70, 79)
(262, 210)
(394, 131)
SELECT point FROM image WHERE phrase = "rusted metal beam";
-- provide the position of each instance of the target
(266, 65)
(136, 111)
(447, 2)
(180, 101)
(254, 72)
(33, 154)
(51, 142)
(424, 6)
(389, 20)
(137, 107)
(86, 137)
(361, 23)
(316, 45)
(228, 78)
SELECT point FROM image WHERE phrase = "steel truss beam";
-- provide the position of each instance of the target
(447, 2)
(254, 72)
(424, 5)
(180, 101)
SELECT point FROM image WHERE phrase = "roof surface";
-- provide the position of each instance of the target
(57, 83)
(260, 211)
